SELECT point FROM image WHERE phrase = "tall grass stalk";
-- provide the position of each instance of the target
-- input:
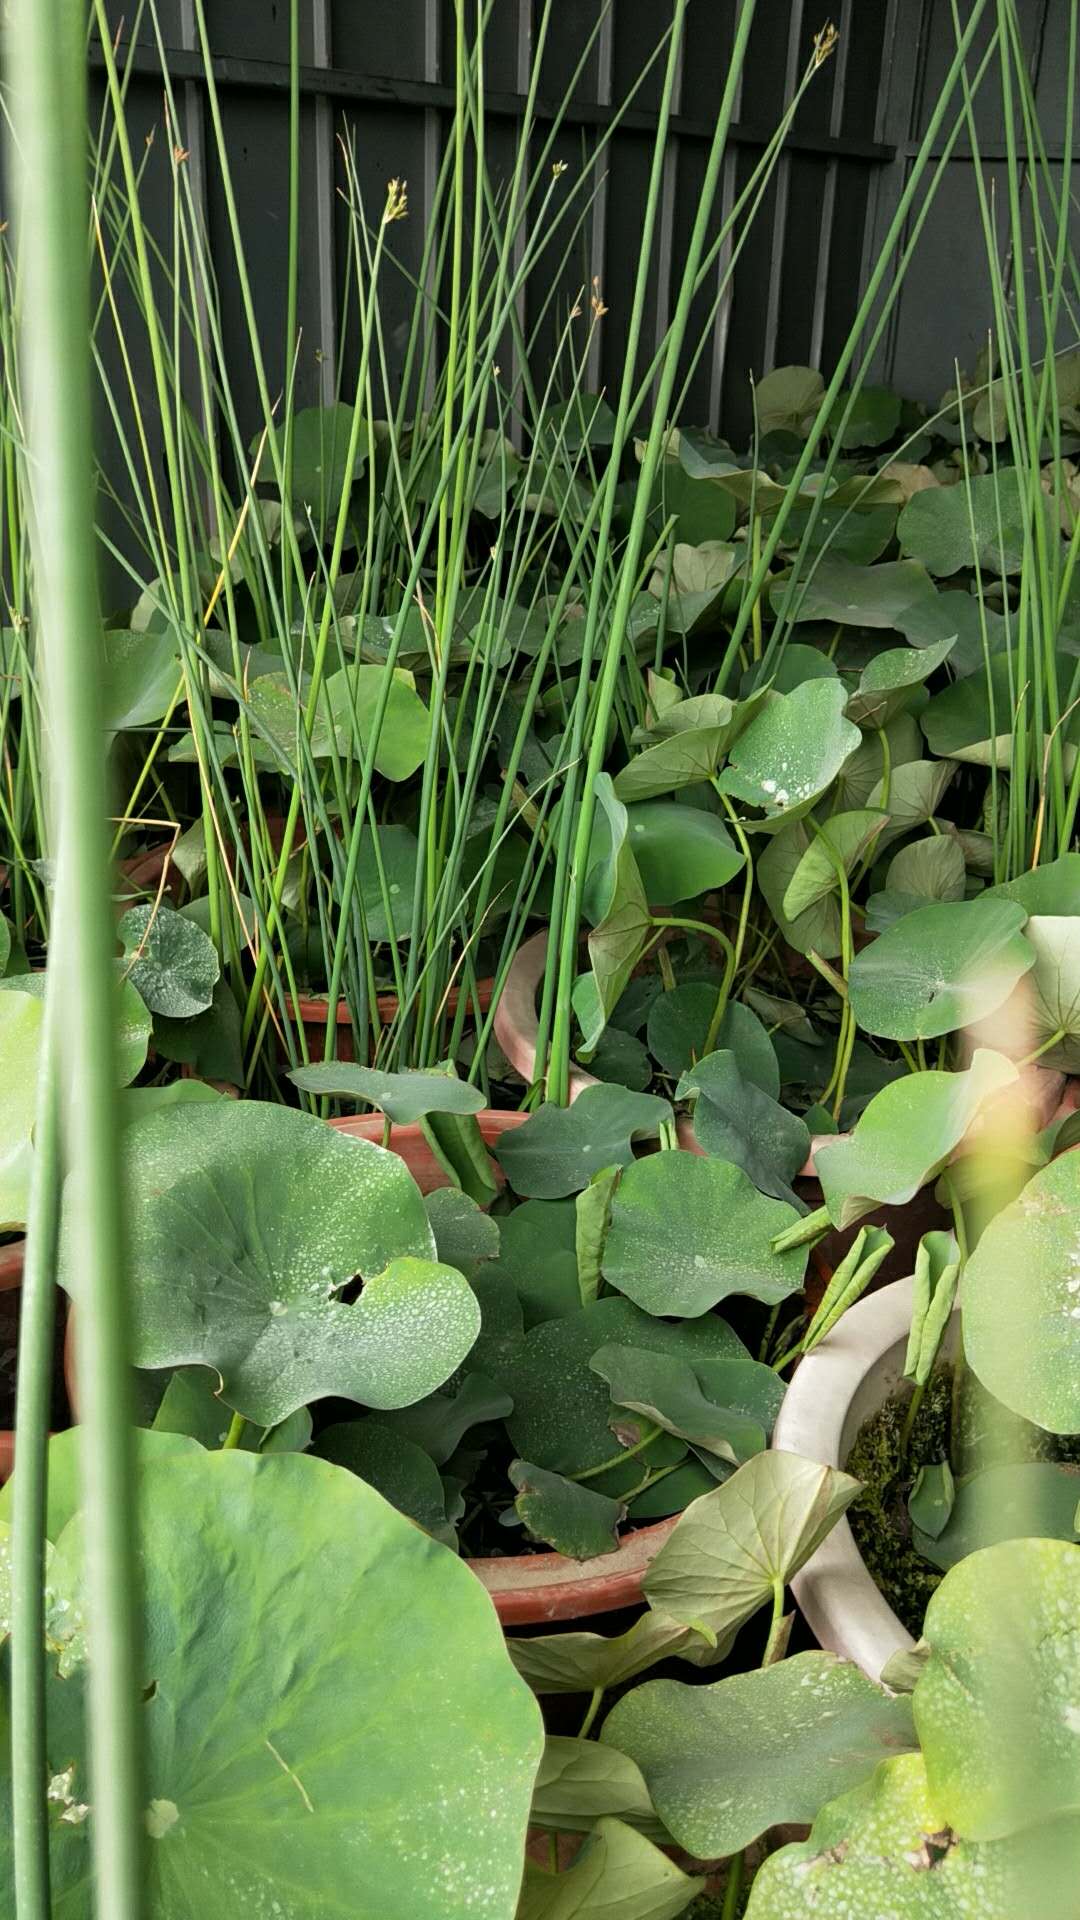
(47, 71)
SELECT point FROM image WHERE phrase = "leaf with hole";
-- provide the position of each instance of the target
(245, 1220)
(1001, 1681)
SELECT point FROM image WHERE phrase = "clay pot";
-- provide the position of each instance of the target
(530, 1589)
(410, 1144)
(11, 1273)
(313, 1012)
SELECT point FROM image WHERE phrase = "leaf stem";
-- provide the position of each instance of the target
(616, 1460)
(591, 1712)
(236, 1432)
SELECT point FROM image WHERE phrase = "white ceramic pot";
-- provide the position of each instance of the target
(838, 1386)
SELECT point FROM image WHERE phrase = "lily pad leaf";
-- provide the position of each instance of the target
(618, 1875)
(353, 695)
(141, 678)
(930, 869)
(725, 1407)
(1049, 891)
(791, 751)
(852, 596)
(678, 1031)
(872, 417)
(886, 1848)
(562, 1409)
(939, 968)
(574, 1519)
(911, 794)
(1023, 1341)
(558, 1149)
(440, 1422)
(788, 398)
(947, 530)
(464, 1234)
(732, 1549)
(260, 1797)
(735, 1121)
(888, 679)
(244, 1221)
(403, 1097)
(1001, 1680)
(396, 1467)
(904, 1136)
(581, 1782)
(21, 1016)
(169, 960)
(681, 852)
(974, 720)
(727, 1761)
(212, 1042)
(1022, 1500)
(133, 1022)
(687, 1231)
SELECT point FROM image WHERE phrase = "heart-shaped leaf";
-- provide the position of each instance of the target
(581, 1782)
(320, 438)
(974, 720)
(687, 1231)
(791, 751)
(724, 1407)
(911, 794)
(538, 1258)
(852, 596)
(618, 1875)
(887, 680)
(562, 1409)
(997, 1706)
(698, 733)
(141, 678)
(21, 1016)
(681, 852)
(271, 1586)
(735, 1121)
(573, 1519)
(867, 418)
(169, 960)
(558, 1149)
(244, 1221)
(396, 1467)
(1023, 1342)
(212, 1042)
(736, 1546)
(727, 1761)
(788, 397)
(403, 1097)
(930, 869)
(904, 1136)
(1021, 1500)
(939, 968)
(580, 1662)
(886, 1848)
(980, 523)
(352, 696)
(842, 841)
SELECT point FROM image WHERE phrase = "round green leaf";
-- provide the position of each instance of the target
(20, 1054)
(791, 751)
(734, 1120)
(388, 854)
(680, 852)
(726, 1761)
(687, 1231)
(678, 1027)
(869, 418)
(395, 1466)
(562, 1408)
(939, 968)
(133, 1023)
(244, 1221)
(169, 960)
(788, 397)
(324, 1686)
(888, 679)
(353, 695)
(997, 1706)
(980, 522)
(931, 868)
(141, 678)
(1023, 1340)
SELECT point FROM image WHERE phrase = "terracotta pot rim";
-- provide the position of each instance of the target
(314, 1009)
(528, 1589)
